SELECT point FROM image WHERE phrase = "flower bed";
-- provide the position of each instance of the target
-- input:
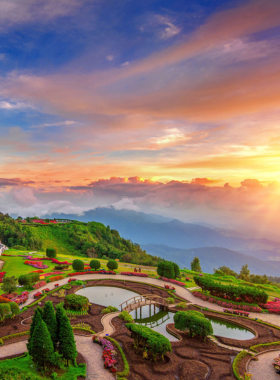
(172, 281)
(36, 264)
(91, 272)
(169, 287)
(38, 271)
(72, 280)
(14, 297)
(272, 307)
(228, 305)
(54, 261)
(38, 295)
(134, 274)
(55, 278)
(2, 275)
(237, 312)
(109, 353)
(39, 284)
(276, 364)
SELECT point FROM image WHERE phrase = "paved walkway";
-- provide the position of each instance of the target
(90, 351)
(180, 291)
(263, 369)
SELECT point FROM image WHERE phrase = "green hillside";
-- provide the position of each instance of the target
(74, 238)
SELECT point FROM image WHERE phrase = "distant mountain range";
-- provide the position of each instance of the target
(166, 236)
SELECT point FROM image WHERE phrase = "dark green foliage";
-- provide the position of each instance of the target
(37, 316)
(112, 264)
(5, 310)
(59, 314)
(67, 345)
(166, 269)
(195, 265)
(9, 284)
(235, 293)
(50, 319)
(51, 252)
(41, 346)
(76, 302)
(78, 265)
(28, 279)
(194, 321)
(95, 264)
(14, 308)
(152, 342)
(176, 269)
(225, 271)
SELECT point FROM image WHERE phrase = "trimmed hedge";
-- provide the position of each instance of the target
(125, 362)
(194, 321)
(28, 279)
(151, 342)
(51, 252)
(7, 337)
(234, 293)
(76, 302)
(78, 264)
(253, 348)
(236, 362)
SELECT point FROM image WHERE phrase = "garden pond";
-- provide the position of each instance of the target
(155, 318)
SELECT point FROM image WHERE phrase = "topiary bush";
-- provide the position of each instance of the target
(76, 302)
(166, 269)
(126, 316)
(78, 265)
(109, 309)
(194, 321)
(95, 264)
(112, 264)
(28, 279)
(51, 252)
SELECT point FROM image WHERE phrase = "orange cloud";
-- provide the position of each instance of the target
(205, 181)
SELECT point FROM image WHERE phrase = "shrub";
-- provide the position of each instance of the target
(170, 300)
(55, 278)
(126, 316)
(112, 264)
(28, 279)
(181, 305)
(4, 300)
(95, 264)
(109, 309)
(5, 309)
(194, 321)
(78, 264)
(51, 252)
(150, 341)
(230, 292)
(76, 302)
(166, 269)
(14, 308)
(16, 373)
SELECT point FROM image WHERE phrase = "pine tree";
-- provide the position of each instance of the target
(195, 265)
(67, 344)
(41, 346)
(49, 318)
(59, 314)
(36, 318)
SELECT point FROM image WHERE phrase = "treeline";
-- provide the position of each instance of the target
(244, 275)
(13, 233)
(233, 293)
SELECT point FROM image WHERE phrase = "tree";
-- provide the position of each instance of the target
(50, 319)
(166, 269)
(112, 264)
(225, 271)
(41, 346)
(195, 265)
(126, 258)
(78, 265)
(194, 321)
(95, 264)
(177, 272)
(245, 272)
(59, 314)
(67, 345)
(36, 317)
(9, 284)
(51, 252)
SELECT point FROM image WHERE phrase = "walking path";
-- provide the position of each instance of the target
(91, 352)
(263, 369)
(180, 291)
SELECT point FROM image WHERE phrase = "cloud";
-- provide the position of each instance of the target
(6, 182)
(109, 57)
(24, 196)
(205, 181)
(251, 183)
(125, 203)
(169, 29)
(15, 12)
(14, 106)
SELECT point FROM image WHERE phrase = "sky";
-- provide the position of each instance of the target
(169, 107)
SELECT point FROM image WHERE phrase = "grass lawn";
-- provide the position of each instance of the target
(24, 363)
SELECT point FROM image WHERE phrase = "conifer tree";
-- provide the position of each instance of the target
(59, 314)
(41, 346)
(195, 265)
(67, 344)
(36, 317)
(49, 318)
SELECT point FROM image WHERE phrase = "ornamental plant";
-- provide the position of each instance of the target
(134, 274)
(230, 292)
(95, 264)
(153, 343)
(126, 316)
(78, 264)
(109, 309)
(172, 281)
(76, 302)
(51, 252)
(193, 321)
(112, 264)
(50, 319)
